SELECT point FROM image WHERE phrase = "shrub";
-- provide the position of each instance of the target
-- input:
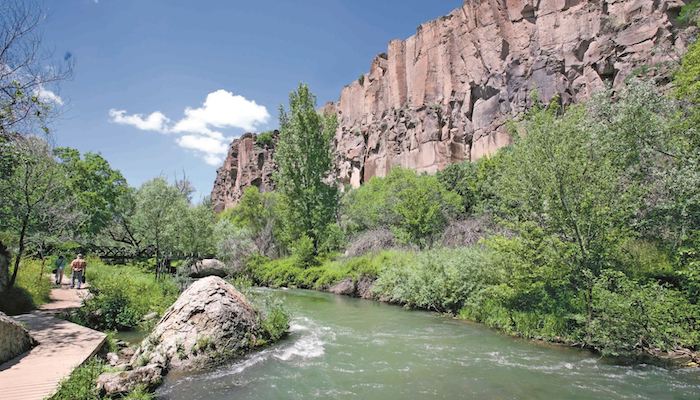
(303, 251)
(266, 139)
(629, 318)
(122, 295)
(468, 232)
(233, 245)
(415, 207)
(288, 272)
(440, 280)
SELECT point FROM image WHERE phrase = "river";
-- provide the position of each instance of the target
(344, 348)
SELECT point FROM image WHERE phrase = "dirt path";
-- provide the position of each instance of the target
(63, 346)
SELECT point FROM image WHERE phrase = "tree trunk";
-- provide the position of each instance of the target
(4, 268)
(20, 251)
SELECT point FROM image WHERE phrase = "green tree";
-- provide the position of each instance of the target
(36, 204)
(195, 235)
(305, 161)
(416, 207)
(97, 185)
(159, 209)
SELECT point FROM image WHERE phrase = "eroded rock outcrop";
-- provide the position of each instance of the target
(14, 339)
(211, 319)
(249, 163)
(444, 94)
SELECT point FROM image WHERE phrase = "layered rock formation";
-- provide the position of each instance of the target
(248, 163)
(444, 94)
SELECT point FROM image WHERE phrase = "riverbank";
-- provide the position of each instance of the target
(462, 283)
(128, 297)
(346, 348)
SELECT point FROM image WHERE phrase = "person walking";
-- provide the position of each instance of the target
(59, 265)
(78, 266)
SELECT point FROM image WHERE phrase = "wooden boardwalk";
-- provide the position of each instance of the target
(63, 346)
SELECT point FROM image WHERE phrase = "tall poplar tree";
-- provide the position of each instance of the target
(305, 163)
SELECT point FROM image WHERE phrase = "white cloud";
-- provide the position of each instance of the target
(199, 128)
(47, 96)
(211, 148)
(156, 121)
(223, 109)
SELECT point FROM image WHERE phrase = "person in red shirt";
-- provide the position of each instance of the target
(78, 267)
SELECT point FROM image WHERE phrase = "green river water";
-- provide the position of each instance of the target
(344, 348)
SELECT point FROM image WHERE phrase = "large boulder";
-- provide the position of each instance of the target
(210, 320)
(208, 267)
(14, 339)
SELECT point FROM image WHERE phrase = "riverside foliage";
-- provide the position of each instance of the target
(598, 212)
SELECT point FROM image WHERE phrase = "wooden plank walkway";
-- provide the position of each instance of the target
(63, 346)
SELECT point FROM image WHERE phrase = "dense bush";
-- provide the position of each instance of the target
(468, 232)
(81, 384)
(440, 280)
(415, 207)
(629, 317)
(122, 295)
(290, 273)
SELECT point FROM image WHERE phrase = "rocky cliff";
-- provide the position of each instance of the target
(444, 94)
(249, 163)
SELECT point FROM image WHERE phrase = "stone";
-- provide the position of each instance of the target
(444, 95)
(208, 267)
(112, 359)
(210, 320)
(209, 317)
(150, 316)
(120, 383)
(364, 288)
(345, 287)
(15, 339)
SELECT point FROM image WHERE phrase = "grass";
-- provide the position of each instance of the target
(289, 272)
(30, 291)
(81, 383)
(122, 296)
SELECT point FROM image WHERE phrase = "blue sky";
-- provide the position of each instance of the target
(160, 87)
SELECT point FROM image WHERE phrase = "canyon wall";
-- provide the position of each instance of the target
(444, 95)
(248, 163)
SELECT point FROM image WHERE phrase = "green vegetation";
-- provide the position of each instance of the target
(689, 13)
(122, 295)
(415, 207)
(440, 280)
(81, 384)
(291, 272)
(31, 290)
(265, 139)
(304, 158)
(597, 212)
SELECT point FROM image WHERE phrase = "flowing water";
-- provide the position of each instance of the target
(343, 348)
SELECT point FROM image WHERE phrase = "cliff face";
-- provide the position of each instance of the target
(444, 94)
(248, 163)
